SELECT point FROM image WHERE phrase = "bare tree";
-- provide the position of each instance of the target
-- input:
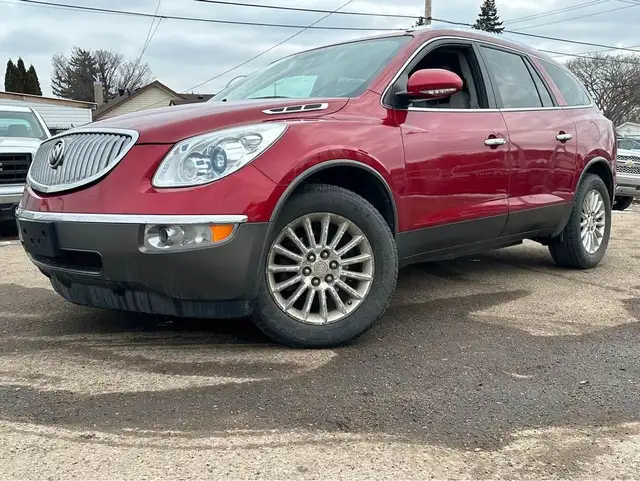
(73, 77)
(613, 81)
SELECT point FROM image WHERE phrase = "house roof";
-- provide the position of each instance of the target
(191, 99)
(47, 100)
(123, 96)
(629, 124)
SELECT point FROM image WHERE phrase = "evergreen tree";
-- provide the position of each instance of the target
(488, 19)
(9, 77)
(32, 85)
(21, 76)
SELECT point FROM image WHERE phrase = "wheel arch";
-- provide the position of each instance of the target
(376, 189)
(602, 168)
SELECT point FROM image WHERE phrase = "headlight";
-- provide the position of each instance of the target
(209, 157)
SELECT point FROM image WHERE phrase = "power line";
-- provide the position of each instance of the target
(265, 24)
(581, 16)
(310, 10)
(589, 57)
(194, 19)
(150, 35)
(535, 16)
(272, 47)
(542, 37)
(264, 51)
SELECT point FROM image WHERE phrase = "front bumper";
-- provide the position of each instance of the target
(99, 260)
(10, 196)
(628, 185)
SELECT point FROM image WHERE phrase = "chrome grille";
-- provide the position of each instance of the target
(88, 155)
(622, 168)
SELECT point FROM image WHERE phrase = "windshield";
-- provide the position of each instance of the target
(20, 124)
(628, 144)
(343, 70)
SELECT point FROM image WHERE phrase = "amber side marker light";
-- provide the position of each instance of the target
(220, 232)
(182, 237)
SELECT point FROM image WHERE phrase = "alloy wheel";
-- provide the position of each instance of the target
(592, 221)
(320, 268)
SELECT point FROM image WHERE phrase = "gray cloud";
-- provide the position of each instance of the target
(184, 54)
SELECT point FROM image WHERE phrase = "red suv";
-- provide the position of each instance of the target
(296, 193)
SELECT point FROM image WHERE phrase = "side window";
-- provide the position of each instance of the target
(513, 80)
(461, 61)
(545, 96)
(572, 91)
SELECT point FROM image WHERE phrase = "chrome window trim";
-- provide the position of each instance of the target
(161, 219)
(48, 189)
(469, 39)
(303, 108)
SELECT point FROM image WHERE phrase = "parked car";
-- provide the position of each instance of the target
(296, 193)
(628, 173)
(21, 132)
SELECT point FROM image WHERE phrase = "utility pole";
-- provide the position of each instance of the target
(427, 12)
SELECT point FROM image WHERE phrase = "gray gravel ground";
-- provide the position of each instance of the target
(496, 366)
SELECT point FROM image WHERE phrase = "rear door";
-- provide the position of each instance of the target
(543, 143)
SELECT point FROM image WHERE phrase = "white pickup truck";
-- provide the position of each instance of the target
(21, 132)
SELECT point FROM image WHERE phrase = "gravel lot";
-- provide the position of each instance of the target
(496, 366)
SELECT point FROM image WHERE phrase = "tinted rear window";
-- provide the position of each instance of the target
(572, 90)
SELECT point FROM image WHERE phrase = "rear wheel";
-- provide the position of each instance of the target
(621, 203)
(585, 238)
(330, 269)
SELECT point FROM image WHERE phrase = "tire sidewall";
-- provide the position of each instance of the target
(590, 183)
(276, 323)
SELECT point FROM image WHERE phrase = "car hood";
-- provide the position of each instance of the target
(19, 144)
(175, 123)
(630, 153)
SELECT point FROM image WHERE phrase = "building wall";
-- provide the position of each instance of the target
(57, 117)
(149, 99)
(631, 130)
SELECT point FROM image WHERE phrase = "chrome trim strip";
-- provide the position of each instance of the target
(129, 218)
(460, 37)
(84, 130)
(292, 109)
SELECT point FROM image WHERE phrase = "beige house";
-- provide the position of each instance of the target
(151, 96)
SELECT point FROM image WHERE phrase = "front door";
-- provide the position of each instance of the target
(456, 160)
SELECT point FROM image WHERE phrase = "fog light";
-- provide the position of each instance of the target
(173, 237)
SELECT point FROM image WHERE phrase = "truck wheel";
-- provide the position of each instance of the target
(330, 269)
(621, 203)
(585, 238)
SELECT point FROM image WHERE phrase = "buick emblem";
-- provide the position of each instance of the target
(56, 154)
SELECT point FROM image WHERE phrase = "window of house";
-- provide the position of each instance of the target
(515, 85)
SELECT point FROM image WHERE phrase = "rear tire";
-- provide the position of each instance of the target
(621, 203)
(584, 240)
(315, 319)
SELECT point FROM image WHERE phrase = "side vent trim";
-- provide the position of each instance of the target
(296, 108)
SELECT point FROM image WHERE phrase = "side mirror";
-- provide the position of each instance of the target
(432, 83)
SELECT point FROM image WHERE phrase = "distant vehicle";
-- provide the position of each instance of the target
(628, 173)
(295, 194)
(21, 132)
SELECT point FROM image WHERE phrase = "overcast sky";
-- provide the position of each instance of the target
(183, 54)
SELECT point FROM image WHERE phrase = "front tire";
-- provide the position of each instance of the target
(621, 203)
(329, 271)
(585, 238)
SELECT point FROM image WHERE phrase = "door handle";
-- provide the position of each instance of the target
(562, 137)
(494, 141)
